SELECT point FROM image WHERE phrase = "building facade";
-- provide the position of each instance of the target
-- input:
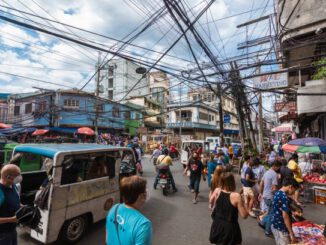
(121, 79)
(71, 109)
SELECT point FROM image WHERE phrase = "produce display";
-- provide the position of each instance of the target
(309, 233)
(315, 178)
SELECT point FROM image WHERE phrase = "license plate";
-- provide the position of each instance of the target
(163, 181)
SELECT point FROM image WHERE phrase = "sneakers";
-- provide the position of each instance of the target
(194, 201)
(270, 235)
(175, 190)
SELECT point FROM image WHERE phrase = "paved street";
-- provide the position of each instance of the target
(179, 222)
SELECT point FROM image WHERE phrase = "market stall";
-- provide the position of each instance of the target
(315, 177)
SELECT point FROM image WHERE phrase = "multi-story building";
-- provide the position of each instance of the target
(71, 109)
(302, 27)
(3, 107)
(159, 92)
(121, 79)
(199, 116)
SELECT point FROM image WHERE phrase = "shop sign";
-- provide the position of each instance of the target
(279, 80)
(290, 106)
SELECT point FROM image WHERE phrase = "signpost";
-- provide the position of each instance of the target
(290, 106)
(279, 80)
(226, 118)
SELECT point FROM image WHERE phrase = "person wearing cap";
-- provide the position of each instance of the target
(9, 203)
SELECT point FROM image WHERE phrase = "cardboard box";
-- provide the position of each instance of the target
(320, 195)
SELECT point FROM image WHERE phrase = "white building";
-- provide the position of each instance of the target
(122, 79)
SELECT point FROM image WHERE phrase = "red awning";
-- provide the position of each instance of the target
(40, 132)
(3, 125)
(86, 131)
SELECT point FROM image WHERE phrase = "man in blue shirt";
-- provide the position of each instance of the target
(9, 203)
(125, 224)
(281, 221)
(248, 191)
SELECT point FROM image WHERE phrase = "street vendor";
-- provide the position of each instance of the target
(294, 167)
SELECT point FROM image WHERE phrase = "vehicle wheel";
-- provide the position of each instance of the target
(165, 192)
(73, 229)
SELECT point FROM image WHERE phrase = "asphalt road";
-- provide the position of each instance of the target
(177, 221)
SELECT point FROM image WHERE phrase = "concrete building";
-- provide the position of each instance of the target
(159, 90)
(302, 31)
(122, 79)
(71, 109)
(3, 107)
(199, 116)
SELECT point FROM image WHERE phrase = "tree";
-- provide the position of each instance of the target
(321, 70)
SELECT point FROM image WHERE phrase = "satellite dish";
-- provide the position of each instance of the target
(141, 70)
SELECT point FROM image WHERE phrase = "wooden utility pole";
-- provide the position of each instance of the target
(260, 117)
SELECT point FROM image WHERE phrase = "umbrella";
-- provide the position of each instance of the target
(40, 132)
(3, 125)
(85, 130)
(306, 145)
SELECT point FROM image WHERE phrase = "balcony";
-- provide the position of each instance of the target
(183, 119)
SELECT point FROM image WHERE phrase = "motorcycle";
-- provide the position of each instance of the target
(164, 181)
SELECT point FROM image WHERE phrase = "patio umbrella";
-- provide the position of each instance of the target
(85, 130)
(3, 125)
(40, 132)
(306, 145)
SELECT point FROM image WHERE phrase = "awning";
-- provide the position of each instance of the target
(40, 132)
(14, 131)
(283, 128)
(63, 130)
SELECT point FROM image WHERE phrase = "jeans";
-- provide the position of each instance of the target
(281, 237)
(194, 183)
(157, 178)
(267, 219)
(8, 237)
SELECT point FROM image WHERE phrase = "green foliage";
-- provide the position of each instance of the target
(321, 70)
(249, 150)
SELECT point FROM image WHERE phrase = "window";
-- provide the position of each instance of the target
(111, 69)
(137, 116)
(99, 108)
(83, 167)
(194, 97)
(71, 104)
(110, 82)
(110, 95)
(16, 110)
(28, 108)
(127, 115)
(203, 116)
(41, 106)
(115, 112)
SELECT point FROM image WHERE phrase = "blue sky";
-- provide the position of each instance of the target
(36, 55)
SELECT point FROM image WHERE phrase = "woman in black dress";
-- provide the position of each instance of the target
(227, 205)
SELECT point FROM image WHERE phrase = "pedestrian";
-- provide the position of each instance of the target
(156, 153)
(280, 217)
(230, 151)
(195, 166)
(212, 164)
(225, 228)
(271, 156)
(225, 149)
(9, 203)
(216, 183)
(248, 191)
(259, 171)
(244, 168)
(125, 224)
(296, 170)
(280, 150)
(268, 186)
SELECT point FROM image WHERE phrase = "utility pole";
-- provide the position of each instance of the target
(97, 93)
(260, 116)
(220, 111)
(180, 129)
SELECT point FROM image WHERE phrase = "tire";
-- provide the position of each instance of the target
(74, 229)
(165, 192)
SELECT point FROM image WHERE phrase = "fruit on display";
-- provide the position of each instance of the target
(315, 178)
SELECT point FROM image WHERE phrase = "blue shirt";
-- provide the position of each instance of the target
(9, 204)
(251, 176)
(134, 228)
(211, 168)
(280, 203)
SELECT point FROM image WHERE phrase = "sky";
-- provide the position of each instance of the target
(30, 59)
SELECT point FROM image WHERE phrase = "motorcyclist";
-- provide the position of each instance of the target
(164, 162)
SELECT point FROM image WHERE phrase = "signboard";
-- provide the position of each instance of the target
(279, 80)
(226, 118)
(290, 106)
